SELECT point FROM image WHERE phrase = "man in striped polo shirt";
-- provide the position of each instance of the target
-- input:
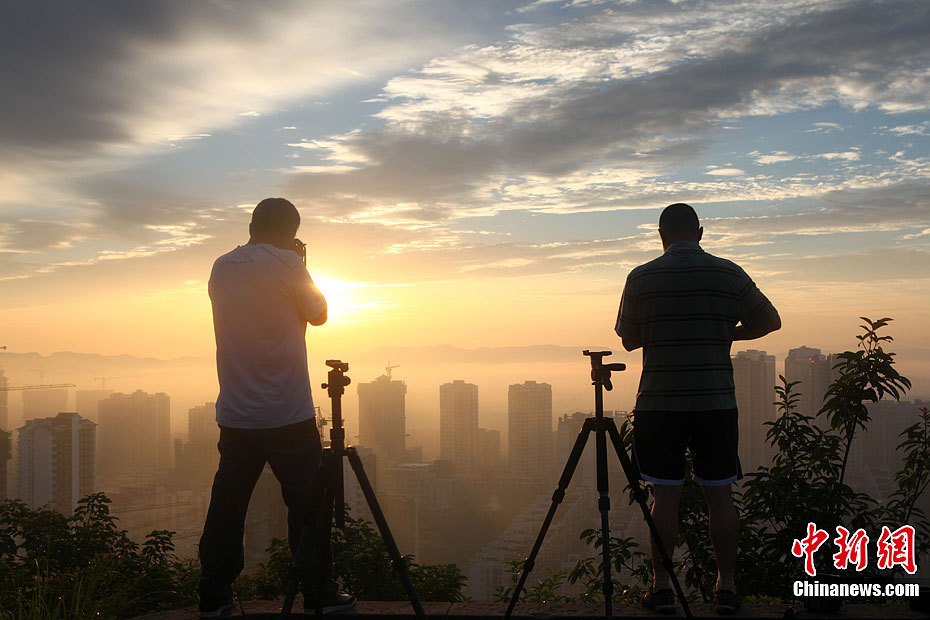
(685, 309)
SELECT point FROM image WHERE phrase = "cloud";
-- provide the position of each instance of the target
(30, 235)
(923, 233)
(900, 207)
(724, 172)
(846, 156)
(920, 129)
(593, 114)
(636, 87)
(825, 127)
(107, 76)
(438, 254)
(774, 157)
(873, 265)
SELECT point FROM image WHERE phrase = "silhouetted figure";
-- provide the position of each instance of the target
(263, 298)
(685, 309)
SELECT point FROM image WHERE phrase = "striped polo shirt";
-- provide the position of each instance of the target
(682, 307)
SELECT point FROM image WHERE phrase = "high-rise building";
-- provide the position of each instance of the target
(489, 449)
(6, 437)
(4, 401)
(413, 454)
(530, 442)
(754, 378)
(196, 460)
(815, 372)
(458, 425)
(381, 418)
(201, 425)
(411, 491)
(354, 496)
(6, 452)
(567, 430)
(57, 464)
(569, 425)
(87, 403)
(875, 449)
(135, 433)
(44, 403)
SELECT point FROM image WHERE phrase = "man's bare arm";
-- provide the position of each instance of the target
(628, 320)
(320, 318)
(765, 325)
(630, 343)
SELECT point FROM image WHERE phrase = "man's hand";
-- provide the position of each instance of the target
(301, 248)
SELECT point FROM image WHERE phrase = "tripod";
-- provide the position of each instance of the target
(600, 379)
(317, 528)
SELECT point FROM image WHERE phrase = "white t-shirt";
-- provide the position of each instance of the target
(262, 299)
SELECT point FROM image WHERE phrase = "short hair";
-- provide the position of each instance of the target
(275, 215)
(678, 218)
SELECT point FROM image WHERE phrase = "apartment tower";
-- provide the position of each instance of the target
(530, 441)
(382, 418)
(458, 425)
(57, 461)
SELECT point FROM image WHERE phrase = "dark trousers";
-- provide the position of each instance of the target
(293, 452)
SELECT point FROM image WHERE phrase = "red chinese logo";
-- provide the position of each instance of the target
(808, 546)
(852, 550)
(897, 548)
(894, 548)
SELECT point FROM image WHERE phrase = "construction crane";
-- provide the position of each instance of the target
(389, 368)
(43, 386)
(103, 380)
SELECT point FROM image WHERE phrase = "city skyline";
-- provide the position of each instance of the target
(419, 427)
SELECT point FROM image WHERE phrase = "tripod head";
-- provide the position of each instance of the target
(600, 372)
(336, 381)
(335, 385)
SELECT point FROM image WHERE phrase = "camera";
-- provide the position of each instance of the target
(301, 248)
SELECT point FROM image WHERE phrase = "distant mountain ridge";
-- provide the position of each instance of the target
(443, 352)
(85, 368)
(502, 355)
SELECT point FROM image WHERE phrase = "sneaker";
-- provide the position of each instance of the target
(662, 601)
(337, 601)
(726, 602)
(222, 610)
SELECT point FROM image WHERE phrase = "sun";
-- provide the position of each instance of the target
(341, 297)
(351, 300)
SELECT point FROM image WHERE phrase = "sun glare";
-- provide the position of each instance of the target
(340, 296)
(347, 299)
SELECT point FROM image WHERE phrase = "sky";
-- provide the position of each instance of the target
(478, 173)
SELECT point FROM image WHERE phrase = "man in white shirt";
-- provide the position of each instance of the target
(263, 298)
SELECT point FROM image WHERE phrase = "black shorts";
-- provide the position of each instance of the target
(712, 437)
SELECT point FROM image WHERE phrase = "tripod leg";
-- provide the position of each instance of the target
(640, 496)
(603, 505)
(557, 496)
(396, 560)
